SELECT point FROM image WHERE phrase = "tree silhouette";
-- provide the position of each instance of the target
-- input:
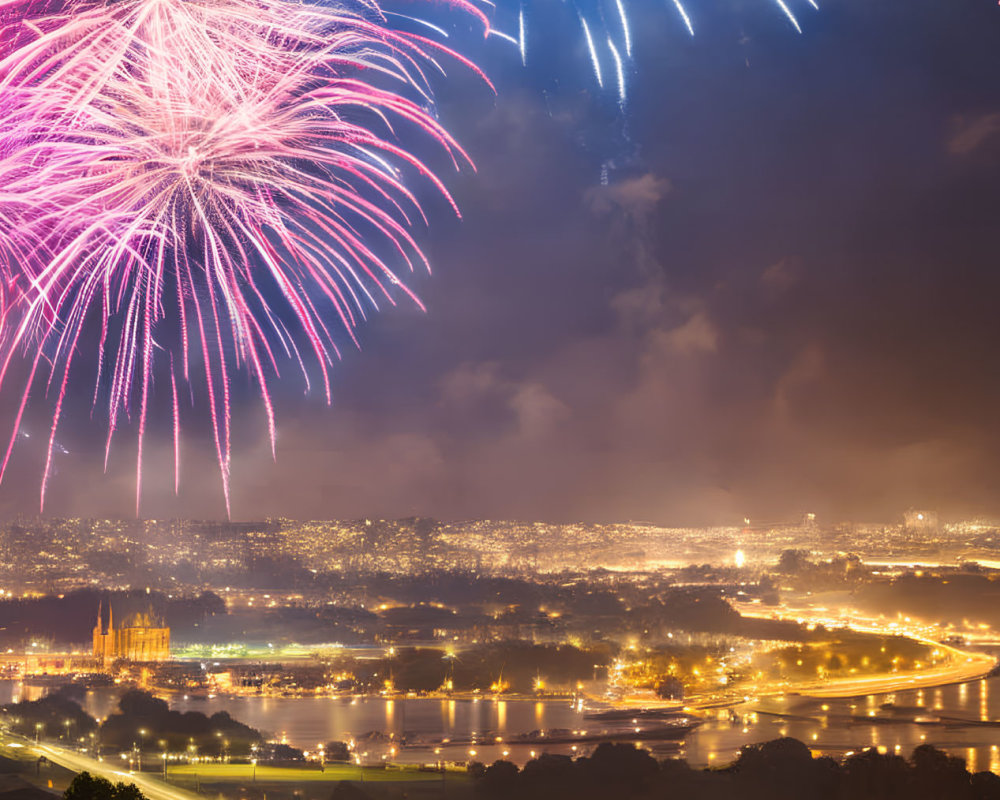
(88, 787)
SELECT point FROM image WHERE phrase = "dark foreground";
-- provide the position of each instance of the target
(783, 769)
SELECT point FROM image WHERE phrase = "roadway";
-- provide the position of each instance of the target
(152, 788)
(973, 668)
(961, 667)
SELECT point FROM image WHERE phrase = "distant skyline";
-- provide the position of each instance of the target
(754, 524)
(783, 301)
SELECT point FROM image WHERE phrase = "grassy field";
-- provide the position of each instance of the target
(243, 773)
(237, 782)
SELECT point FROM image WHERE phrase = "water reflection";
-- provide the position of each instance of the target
(963, 719)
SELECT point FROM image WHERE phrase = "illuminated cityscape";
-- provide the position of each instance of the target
(67, 554)
(492, 641)
(494, 400)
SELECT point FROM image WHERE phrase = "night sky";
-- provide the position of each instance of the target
(785, 298)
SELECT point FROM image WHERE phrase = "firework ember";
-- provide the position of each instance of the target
(208, 185)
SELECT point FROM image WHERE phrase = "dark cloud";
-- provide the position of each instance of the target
(637, 198)
(782, 300)
(970, 133)
(781, 275)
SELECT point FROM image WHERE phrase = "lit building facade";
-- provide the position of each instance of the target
(139, 637)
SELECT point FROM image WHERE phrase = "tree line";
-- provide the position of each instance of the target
(783, 769)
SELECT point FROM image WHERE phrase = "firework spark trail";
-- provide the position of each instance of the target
(626, 28)
(592, 49)
(788, 13)
(436, 28)
(619, 70)
(684, 16)
(608, 21)
(522, 41)
(213, 167)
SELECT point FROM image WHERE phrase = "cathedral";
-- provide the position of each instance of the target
(139, 637)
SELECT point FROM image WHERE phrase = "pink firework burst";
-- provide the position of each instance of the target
(207, 179)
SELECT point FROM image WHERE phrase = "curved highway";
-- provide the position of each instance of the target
(153, 788)
(963, 666)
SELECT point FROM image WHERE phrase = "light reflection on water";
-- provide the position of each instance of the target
(308, 721)
(950, 717)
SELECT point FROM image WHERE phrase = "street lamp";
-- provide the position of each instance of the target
(38, 727)
(253, 761)
(193, 757)
(142, 744)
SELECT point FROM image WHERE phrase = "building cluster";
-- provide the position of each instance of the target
(52, 555)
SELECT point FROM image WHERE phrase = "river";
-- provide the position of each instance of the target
(949, 717)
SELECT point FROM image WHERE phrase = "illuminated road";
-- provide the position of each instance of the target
(965, 667)
(962, 667)
(77, 762)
